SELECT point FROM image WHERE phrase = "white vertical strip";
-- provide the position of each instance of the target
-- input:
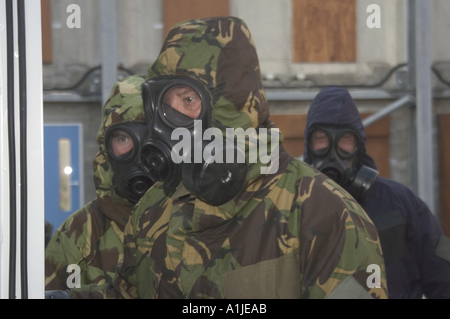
(17, 138)
(4, 165)
(35, 149)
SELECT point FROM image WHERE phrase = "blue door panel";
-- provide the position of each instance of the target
(52, 135)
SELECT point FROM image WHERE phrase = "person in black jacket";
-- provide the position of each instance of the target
(415, 249)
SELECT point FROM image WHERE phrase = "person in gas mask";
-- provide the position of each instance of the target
(92, 237)
(232, 228)
(416, 252)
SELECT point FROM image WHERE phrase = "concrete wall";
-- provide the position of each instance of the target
(75, 51)
(440, 29)
(270, 24)
(140, 35)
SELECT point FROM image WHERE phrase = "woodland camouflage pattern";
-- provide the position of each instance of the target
(92, 237)
(293, 234)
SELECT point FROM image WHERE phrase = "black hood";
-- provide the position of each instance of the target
(335, 106)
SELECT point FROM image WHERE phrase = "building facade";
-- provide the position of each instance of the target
(303, 45)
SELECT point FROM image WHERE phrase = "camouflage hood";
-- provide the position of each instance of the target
(124, 105)
(219, 53)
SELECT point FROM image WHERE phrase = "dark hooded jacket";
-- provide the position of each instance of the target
(416, 252)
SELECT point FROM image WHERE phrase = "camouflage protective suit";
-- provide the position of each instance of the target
(292, 234)
(92, 237)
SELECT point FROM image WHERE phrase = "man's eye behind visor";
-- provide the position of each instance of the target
(121, 145)
(123, 141)
(320, 142)
(181, 105)
(347, 144)
(178, 100)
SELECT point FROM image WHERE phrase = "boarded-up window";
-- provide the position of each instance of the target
(46, 25)
(444, 170)
(292, 127)
(324, 30)
(180, 10)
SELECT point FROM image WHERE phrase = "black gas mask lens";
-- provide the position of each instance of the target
(121, 145)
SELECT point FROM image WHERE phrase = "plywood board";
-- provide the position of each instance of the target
(324, 30)
(444, 170)
(181, 10)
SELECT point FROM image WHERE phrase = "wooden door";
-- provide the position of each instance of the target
(444, 170)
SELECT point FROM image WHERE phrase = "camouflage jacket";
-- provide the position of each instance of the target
(92, 237)
(291, 234)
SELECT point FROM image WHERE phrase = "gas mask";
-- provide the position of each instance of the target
(335, 152)
(178, 111)
(123, 146)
